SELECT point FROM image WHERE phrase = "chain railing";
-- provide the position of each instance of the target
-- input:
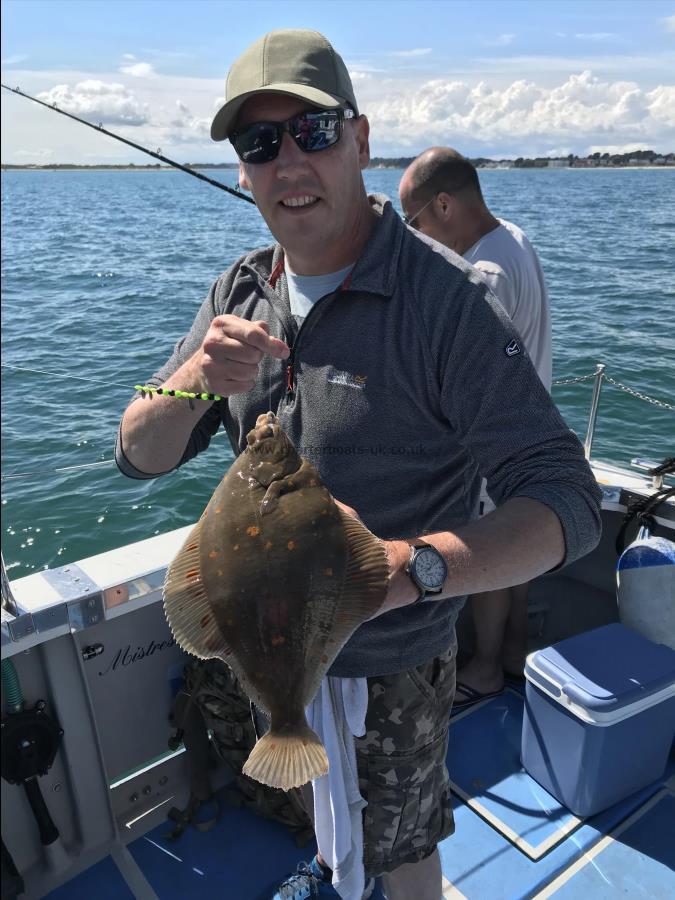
(577, 380)
(622, 387)
(599, 376)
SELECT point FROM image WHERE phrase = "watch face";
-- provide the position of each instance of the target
(430, 568)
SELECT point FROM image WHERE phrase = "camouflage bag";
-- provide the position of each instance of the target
(225, 712)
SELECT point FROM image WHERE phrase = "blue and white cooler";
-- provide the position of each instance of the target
(599, 717)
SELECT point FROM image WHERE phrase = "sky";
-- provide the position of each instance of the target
(493, 78)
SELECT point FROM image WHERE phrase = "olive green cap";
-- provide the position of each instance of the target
(293, 62)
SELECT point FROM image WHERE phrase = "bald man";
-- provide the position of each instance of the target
(441, 197)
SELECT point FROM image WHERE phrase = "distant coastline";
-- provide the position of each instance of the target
(636, 159)
(124, 167)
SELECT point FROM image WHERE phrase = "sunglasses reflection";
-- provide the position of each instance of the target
(312, 131)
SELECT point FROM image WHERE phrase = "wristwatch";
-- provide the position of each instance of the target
(427, 569)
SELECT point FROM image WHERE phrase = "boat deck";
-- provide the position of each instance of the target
(512, 838)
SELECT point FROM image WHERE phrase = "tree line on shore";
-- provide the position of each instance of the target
(643, 157)
(649, 157)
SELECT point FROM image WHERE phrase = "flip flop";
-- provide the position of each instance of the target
(472, 696)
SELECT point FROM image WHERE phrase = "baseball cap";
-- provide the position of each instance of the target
(294, 62)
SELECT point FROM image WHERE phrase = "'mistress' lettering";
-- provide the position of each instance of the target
(126, 657)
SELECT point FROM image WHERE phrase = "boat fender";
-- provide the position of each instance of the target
(645, 587)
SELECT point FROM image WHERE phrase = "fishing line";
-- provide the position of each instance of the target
(62, 375)
(73, 469)
(143, 388)
(96, 465)
(117, 137)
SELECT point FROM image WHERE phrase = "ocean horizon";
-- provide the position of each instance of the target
(103, 271)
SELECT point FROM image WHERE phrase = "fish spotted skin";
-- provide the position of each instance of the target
(273, 579)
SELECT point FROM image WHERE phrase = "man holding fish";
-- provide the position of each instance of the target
(400, 382)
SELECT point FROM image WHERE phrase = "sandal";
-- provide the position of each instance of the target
(471, 696)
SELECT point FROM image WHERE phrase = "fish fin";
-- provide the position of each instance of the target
(186, 606)
(286, 761)
(363, 592)
(367, 575)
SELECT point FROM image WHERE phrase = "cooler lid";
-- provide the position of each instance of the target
(605, 670)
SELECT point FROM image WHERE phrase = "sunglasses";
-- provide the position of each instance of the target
(311, 131)
(410, 219)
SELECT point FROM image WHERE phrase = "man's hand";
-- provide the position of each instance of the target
(401, 591)
(350, 511)
(228, 360)
(154, 433)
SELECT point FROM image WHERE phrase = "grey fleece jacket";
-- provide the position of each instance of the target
(404, 388)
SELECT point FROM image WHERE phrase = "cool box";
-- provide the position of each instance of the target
(599, 716)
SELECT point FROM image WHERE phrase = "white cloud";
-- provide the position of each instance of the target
(668, 23)
(595, 36)
(579, 111)
(617, 148)
(662, 105)
(139, 70)
(503, 40)
(649, 66)
(42, 155)
(14, 59)
(492, 112)
(128, 56)
(112, 104)
(419, 51)
(186, 128)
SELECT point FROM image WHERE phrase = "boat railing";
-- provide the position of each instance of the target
(598, 377)
(593, 414)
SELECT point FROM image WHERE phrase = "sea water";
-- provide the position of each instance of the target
(103, 271)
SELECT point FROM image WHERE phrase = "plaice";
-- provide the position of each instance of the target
(274, 579)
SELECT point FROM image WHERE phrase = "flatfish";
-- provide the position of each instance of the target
(273, 580)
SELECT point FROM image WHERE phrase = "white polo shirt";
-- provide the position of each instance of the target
(508, 263)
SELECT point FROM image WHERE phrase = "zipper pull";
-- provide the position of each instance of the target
(290, 382)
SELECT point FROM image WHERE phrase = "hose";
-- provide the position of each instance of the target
(11, 687)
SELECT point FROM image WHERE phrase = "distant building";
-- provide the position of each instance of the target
(496, 164)
(558, 163)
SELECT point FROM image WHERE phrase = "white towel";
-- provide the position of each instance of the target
(338, 714)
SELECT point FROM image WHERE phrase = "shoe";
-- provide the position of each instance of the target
(312, 880)
(471, 696)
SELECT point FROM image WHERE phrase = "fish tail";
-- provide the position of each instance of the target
(287, 760)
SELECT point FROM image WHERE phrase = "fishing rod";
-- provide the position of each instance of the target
(117, 137)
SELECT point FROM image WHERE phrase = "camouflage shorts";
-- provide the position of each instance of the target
(401, 764)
